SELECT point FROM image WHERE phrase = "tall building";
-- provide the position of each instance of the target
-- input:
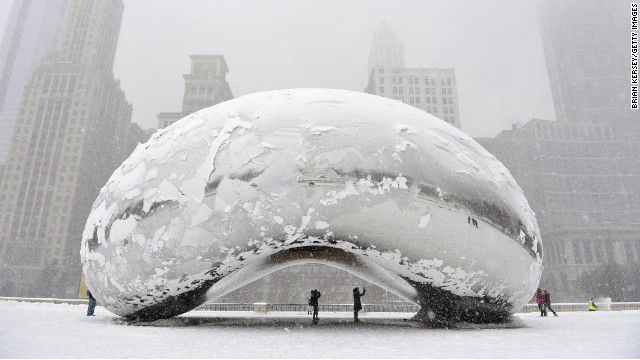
(581, 174)
(33, 28)
(205, 86)
(582, 181)
(586, 46)
(430, 89)
(386, 50)
(73, 129)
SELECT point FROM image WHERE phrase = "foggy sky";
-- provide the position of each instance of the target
(493, 45)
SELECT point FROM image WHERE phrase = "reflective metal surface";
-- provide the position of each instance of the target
(366, 184)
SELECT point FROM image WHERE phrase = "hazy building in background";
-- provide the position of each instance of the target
(581, 174)
(587, 50)
(73, 130)
(33, 28)
(205, 86)
(430, 89)
(386, 49)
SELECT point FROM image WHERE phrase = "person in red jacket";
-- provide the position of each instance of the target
(540, 301)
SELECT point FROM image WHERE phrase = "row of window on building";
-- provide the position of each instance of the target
(593, 252)
(201, 90)
(427, 91)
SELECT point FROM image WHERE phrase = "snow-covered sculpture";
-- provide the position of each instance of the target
(363, 183)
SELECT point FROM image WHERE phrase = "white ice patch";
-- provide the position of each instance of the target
(243, 149)
(121, 229)
(321, 225)
(424, 221)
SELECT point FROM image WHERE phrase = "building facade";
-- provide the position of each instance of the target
(205, 86)
(73, 129)
(583, 182)
(586, 46)
(33, 28)
(430, 89)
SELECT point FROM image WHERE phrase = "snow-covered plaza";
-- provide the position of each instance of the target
(39, 330)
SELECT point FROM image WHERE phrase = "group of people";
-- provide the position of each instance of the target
(474, 222)
(357, 304)
(544, 302)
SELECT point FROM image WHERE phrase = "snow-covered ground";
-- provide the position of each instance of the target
(38, 330)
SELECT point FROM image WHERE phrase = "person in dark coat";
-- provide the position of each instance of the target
(92, 304)
(547, 303)
(540, 301)
(315, 294)
(357, 305)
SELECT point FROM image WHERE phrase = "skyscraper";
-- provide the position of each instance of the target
(581, 174)
(386, 50)
(33, 28)
(586, 45)
(72, 131)
(430, 89)
(205, 86)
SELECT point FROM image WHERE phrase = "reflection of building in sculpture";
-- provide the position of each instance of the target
(72, 131)
(33, 28)
(430, 89)
(205, 86)
(293, 284)
(581, 173)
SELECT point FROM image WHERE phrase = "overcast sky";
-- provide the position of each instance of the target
(493, 45)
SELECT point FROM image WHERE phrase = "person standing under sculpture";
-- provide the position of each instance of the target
(315, 294)
(540, 301)
(547, 303)
(357, 305)
(92, 304)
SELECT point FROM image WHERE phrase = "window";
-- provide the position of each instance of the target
(381, 80)
(443, 91)
(380, 71)
(411, 100)
(410, 81)
(395, 80)
(444, 101)
(417, 100)
(435, 109)
(426, 91)
(401, 90)
(449, 91)
(399, 80)
(428, 100)
(442, 82)
(395, 90)
(588, 255)
(381, 89)
(577, 255)
(448, 81)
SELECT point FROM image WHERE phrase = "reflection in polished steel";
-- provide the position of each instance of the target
(366, 184)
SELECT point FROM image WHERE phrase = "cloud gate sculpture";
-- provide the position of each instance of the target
(366, 184)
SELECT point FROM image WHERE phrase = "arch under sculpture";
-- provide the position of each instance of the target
(363, 183)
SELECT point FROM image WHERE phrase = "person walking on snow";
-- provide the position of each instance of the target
(540, 301)
(592, 305)
(315, 294)
(547, 303)
(92, 304)
(357, 305)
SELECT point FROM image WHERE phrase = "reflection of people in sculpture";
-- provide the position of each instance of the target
(315, 294)
(357, 305)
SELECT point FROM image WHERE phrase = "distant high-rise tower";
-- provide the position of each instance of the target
(586, 45)
(386, 50)
(33, 28)
(429, 89)
(73, 129)
(205, 86)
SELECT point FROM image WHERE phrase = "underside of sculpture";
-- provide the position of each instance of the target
(366, 184)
